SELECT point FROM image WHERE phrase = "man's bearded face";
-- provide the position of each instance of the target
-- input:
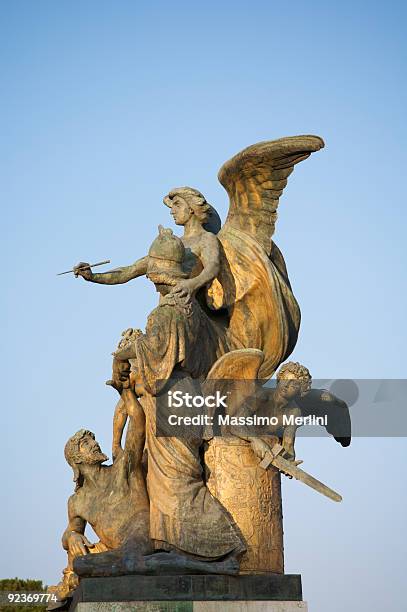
(90, 451)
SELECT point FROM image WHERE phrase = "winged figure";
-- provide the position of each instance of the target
(237, 272)
(254, 285)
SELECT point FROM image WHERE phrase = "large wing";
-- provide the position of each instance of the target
(255, 179)
(241, 364)
(233, 375)
(321, 402)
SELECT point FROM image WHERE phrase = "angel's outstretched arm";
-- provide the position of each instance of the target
(119, 275)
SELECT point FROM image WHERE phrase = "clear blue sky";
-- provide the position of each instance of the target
(107, 105)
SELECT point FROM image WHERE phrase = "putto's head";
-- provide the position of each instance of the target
(165, 258)
(186, 202)
(82, 448)
(293, 379)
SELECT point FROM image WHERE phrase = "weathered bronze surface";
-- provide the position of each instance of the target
(240, 269)
(253, 497)
(112, 499)
(200, 503)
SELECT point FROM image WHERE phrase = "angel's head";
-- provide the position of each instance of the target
(186, 202)
(293, 379)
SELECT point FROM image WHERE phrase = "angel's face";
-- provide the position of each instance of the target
(289, 386)
(180, 211)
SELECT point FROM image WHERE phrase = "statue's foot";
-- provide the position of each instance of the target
(111, 563)
(174, 563)
(58, 604)
(62, 592)
(123, 561)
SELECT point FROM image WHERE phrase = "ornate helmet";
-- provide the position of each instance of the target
(165, 258)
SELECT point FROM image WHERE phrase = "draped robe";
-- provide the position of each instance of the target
(181, 344)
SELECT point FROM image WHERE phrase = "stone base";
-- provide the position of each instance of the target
(195, 606)
(193, 593)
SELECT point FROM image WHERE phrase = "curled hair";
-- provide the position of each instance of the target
(193, 198)
(300, 373)
(293, 367)
(73, 455)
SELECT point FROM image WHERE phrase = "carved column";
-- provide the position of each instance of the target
(253, 498)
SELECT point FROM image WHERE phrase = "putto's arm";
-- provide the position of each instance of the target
(127, 407)
(259, 446)
(117, 276)
(136, 431)
(119, 422)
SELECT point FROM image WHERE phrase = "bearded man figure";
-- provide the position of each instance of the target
(111, 498)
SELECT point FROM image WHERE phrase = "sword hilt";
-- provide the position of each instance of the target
(270, 456)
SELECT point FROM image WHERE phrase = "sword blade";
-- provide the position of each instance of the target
(288, 467)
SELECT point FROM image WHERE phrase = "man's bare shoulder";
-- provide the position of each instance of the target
(117, 468)
(74, 503)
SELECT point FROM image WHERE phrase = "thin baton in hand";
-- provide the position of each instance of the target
(100, 263)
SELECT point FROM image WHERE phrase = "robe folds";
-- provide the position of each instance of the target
(177, 351)
(184, 515)
(178, 336)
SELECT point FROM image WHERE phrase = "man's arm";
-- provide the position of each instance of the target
(117, 276)
(73, 538)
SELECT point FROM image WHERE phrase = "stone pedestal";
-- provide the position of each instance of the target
(197, 593)
(197, 606)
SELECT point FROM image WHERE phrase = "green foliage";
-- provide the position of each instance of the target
(17, 584)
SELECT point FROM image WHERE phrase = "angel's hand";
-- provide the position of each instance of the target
(184, 288)
(83, 269)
